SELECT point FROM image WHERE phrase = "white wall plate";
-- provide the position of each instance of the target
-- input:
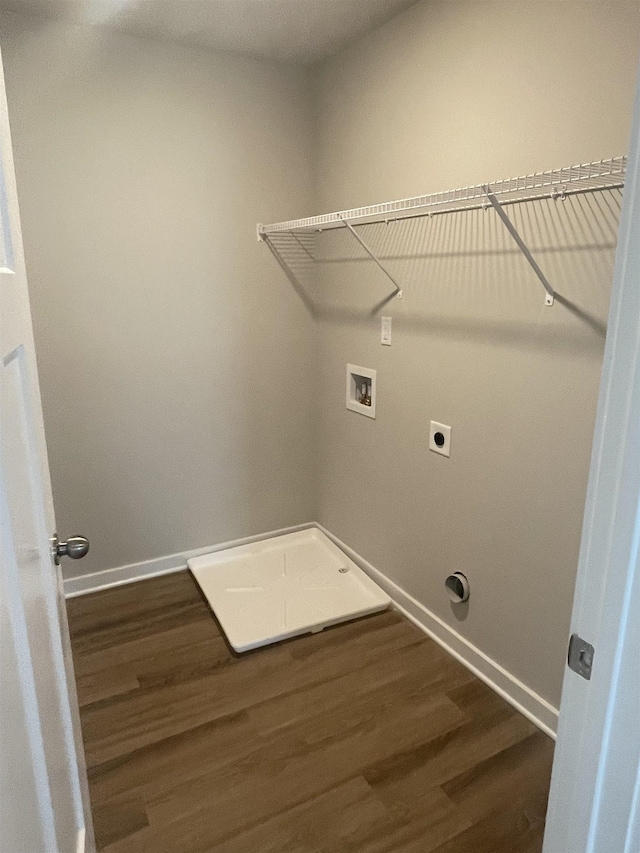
(385, 331)
(440, 438)
(283, 587)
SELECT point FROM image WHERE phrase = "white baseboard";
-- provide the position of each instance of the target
(107, 578)
(80, 840)
(534, 707)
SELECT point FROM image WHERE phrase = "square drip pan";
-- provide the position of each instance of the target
(284, 586)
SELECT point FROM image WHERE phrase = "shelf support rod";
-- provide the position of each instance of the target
(374, 258)
(508, 224)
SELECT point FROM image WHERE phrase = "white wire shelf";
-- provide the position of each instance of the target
(556, 183)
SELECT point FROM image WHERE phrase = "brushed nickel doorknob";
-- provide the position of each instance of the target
(75, 547)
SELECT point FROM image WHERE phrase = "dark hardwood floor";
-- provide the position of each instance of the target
(367, 737)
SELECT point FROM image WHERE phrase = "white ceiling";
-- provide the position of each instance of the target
(296, 31)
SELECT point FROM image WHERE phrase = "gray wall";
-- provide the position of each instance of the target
(448, 94)
(172, 352)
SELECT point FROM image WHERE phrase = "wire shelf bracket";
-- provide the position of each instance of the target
(511, 228)
(373, 257)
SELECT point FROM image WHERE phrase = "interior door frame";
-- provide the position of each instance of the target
(594, 804)
(10, 224)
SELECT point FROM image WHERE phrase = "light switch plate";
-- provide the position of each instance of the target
(385, 331)
(440, 438)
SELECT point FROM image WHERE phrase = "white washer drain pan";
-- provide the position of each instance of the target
(284, 586)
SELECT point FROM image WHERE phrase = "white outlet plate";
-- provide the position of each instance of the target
(443, 444)
(385, 331)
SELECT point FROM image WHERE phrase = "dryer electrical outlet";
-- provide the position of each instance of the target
(440, 438)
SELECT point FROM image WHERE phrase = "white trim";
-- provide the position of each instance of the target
(120, 575)
(523, 699)
(594, 783)
(81, 839)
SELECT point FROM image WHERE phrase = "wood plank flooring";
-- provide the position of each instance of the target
(367, 737)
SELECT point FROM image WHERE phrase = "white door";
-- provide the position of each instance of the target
(43, 791)
(594, 806)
